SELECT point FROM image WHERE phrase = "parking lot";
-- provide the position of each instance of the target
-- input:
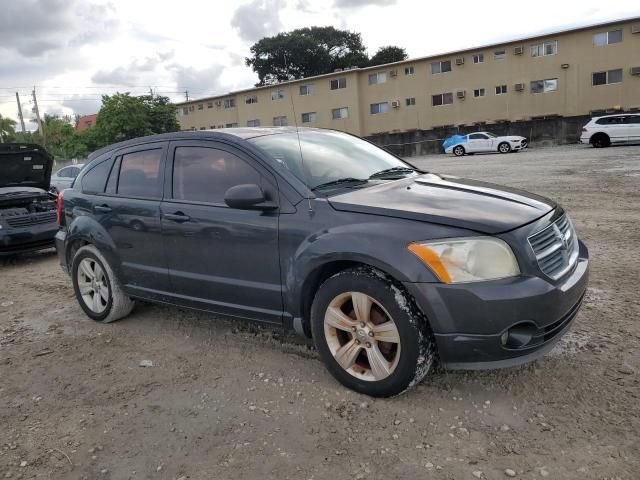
(226, 399)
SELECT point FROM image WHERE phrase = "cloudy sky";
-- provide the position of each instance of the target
(73, 51)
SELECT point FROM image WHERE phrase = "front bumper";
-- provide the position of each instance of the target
(27, 239)
(468, 320)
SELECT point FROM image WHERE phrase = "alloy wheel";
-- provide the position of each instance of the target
(93, 285)
(362, 336)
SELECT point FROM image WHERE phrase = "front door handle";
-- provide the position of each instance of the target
(177, 217)
(102, 208)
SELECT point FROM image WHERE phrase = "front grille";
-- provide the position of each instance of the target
(556, 248)
(32, 219)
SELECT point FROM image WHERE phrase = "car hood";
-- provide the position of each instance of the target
(452, 201)
(25, 165)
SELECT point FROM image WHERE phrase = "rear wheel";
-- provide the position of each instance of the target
(98, 291)
(504, 147)
(459, 151)
(600, 140)
(369, 333)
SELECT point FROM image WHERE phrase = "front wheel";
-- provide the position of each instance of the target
(97, 289)
(504, 147)
(458, 151)
(369, 333)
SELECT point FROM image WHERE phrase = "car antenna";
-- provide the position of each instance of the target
(295, 122)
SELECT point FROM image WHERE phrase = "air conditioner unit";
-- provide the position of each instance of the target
(519, 87)
(460, 61)
(518, 50)
(635, 28)
(635, 70)
(393, 73)
(460, 94)
(395, 104)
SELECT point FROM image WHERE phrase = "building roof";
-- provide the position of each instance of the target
(419, 59)
(86, 121)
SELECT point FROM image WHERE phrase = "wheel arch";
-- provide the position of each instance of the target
(85, 230)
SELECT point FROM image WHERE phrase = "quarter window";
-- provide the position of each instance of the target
(249, 99)
(338, 113)
(203, 174)
(338, 83)
(544, 86)
(280, 121)
(95, 179)
(478, 92)
(478, 58)
(607, 38)
(140, 174)
(379, 77)
(501, 89)
(253, 123)
(442, 99)
(409, 70)
(309, 117)
(376, 108)
(606, 78)
(306, 90)
(230, 102)
(441, 67)
(277, 94)
(543, 49)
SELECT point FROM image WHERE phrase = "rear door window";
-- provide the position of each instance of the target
(140, 174)
(203, 174)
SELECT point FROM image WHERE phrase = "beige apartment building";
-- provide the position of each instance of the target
(568, 73)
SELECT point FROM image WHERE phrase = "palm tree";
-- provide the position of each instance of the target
(7, 128)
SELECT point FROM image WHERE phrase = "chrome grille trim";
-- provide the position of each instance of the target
(555, 248)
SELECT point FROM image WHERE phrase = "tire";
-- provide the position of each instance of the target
(338, 332)
(88, 260)
(600, 140)
(459, 151)
(504, 147)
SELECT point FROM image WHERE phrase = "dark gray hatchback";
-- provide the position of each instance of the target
(386, 267)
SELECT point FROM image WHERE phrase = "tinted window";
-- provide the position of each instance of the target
(635, 119)
(202, 174)
(140, 174)
(477, 136)
(94, 180)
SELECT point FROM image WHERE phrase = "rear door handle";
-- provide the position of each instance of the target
(177, 217)
(102, 208)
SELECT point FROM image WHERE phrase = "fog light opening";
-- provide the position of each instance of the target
(518, 336)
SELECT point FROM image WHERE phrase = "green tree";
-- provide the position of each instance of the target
(305, 52)
(7, 129)
(162, 114)
(388, 54)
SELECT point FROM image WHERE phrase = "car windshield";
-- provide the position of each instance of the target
(330, 158)
(490, 135)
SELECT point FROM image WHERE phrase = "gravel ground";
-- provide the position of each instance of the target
(224, 399)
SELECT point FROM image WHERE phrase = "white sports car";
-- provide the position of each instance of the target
(477, 142)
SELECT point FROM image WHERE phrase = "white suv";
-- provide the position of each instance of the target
(604, 131)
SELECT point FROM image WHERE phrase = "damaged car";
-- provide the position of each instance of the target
(27, 209)
(388, 268)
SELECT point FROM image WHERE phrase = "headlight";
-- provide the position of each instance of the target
(460, 260)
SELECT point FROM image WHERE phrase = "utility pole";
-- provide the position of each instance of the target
(37, 112)
(186, 95)
(20, 113)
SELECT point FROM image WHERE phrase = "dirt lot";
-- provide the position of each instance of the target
(225, 399)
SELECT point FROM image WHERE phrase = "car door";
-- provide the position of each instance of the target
(616, 129)
(632, 128)
(220, 258)
(130, 212)
(479, 142)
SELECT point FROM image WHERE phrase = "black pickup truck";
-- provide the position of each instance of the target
(28, 219)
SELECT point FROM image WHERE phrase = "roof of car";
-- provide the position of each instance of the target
(241, 132)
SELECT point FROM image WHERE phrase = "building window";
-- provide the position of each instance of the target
(230, 103)
(200, 106)
(479, 92)
(309, 117)
(231, 125)
(441, 67)
(379, 77)
(338, 83)
(501, 89)
(442, 99)
(277, 94)
(543, 49)
(209, 104)
(499, 54)
(409, 70)
(249, 99)
(280, 121)
(607, 38)
(185, 110)
(478, 58)
(606, 78)
(337, 113)
(306, 90)
(544, 86)
(253, 123)
(376, 108)
(409, 102)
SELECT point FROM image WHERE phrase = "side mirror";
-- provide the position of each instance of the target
(247, 197)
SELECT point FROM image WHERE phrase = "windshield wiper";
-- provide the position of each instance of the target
(392, 170)
(340, 181)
